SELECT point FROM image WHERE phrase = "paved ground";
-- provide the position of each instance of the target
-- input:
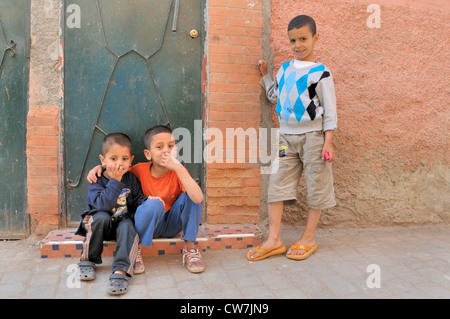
(363, 263)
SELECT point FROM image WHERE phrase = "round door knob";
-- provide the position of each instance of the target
(193, 34)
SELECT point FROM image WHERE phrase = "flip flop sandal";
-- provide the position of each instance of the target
(309, 251)
(118, 284)
(86, 270)
(265, 252)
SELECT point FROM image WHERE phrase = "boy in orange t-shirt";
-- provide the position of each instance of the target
(174, 203)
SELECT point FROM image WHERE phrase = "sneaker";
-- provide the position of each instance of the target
(139, 266)
(193, 260)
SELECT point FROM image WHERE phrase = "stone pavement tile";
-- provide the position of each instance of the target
(244, 277)
(234, 263)
(307, 283)
(43, 280)
(14, 277)
(136, 291)
(339, 286)
(403, 289)
(433, 274)
(261, 268)
(318, 268)
(225, 291)
(194, 285)
(12, 290)
(71, 294)
(349, 253)
(402, 271)
(97, 289)
(289, 293)
(286, 265)
(40, 292)
(323, 294)
(165, 293)
(345, 269)
(159, 281)
(413, 263)
(275, 279)
(434, 291)
(214, 274)
(378, 293)
(258, 292)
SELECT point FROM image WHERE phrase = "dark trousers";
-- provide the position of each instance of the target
(101, 227)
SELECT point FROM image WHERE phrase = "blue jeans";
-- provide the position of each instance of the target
(152, 221)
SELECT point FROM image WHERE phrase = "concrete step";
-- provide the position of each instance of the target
(64, 243)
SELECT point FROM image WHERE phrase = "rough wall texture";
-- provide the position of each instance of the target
(392, 90)
(43, 120)
(232, 101)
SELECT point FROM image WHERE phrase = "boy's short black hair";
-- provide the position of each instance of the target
(115, 138)
(154, 131)
(302, 20)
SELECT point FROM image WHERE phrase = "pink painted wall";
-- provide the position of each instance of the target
(392, 86)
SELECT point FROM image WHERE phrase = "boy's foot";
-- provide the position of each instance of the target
(139, 266)
(118, 284)
(268, 245)
(86, 270)
(305, 249)
(193, 260)
(264, 253)
(301, 250)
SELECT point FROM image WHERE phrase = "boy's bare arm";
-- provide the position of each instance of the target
(94, 173)
(192, 189)
(328, 146)
(263, 67)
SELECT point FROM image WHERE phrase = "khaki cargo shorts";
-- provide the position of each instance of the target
(298, 153)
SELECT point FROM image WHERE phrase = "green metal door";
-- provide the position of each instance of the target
(128, 65)
(14, 39)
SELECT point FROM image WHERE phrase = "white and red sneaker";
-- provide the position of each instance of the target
(139, 266)
(193, 260)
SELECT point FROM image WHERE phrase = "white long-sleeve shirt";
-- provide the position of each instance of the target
(305, 97)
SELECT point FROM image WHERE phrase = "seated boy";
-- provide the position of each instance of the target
(175, 199)
(113, 200)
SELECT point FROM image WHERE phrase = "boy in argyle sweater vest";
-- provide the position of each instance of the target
(303, 91)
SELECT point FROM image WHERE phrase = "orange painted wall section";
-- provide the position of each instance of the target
(392, 84)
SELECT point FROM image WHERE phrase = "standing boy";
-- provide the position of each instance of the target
(113, 200)
(306, 105)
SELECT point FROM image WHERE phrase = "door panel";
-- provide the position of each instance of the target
(129, 66)
(14, 39)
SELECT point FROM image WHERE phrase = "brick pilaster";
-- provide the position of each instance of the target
(234, 48)
(42, 165)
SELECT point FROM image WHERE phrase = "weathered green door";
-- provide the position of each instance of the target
(14, 49)
(128, 65)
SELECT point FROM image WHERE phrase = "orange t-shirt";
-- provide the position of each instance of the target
(168, 187)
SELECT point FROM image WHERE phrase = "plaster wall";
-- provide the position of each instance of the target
(44, 164)
(392, 91)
